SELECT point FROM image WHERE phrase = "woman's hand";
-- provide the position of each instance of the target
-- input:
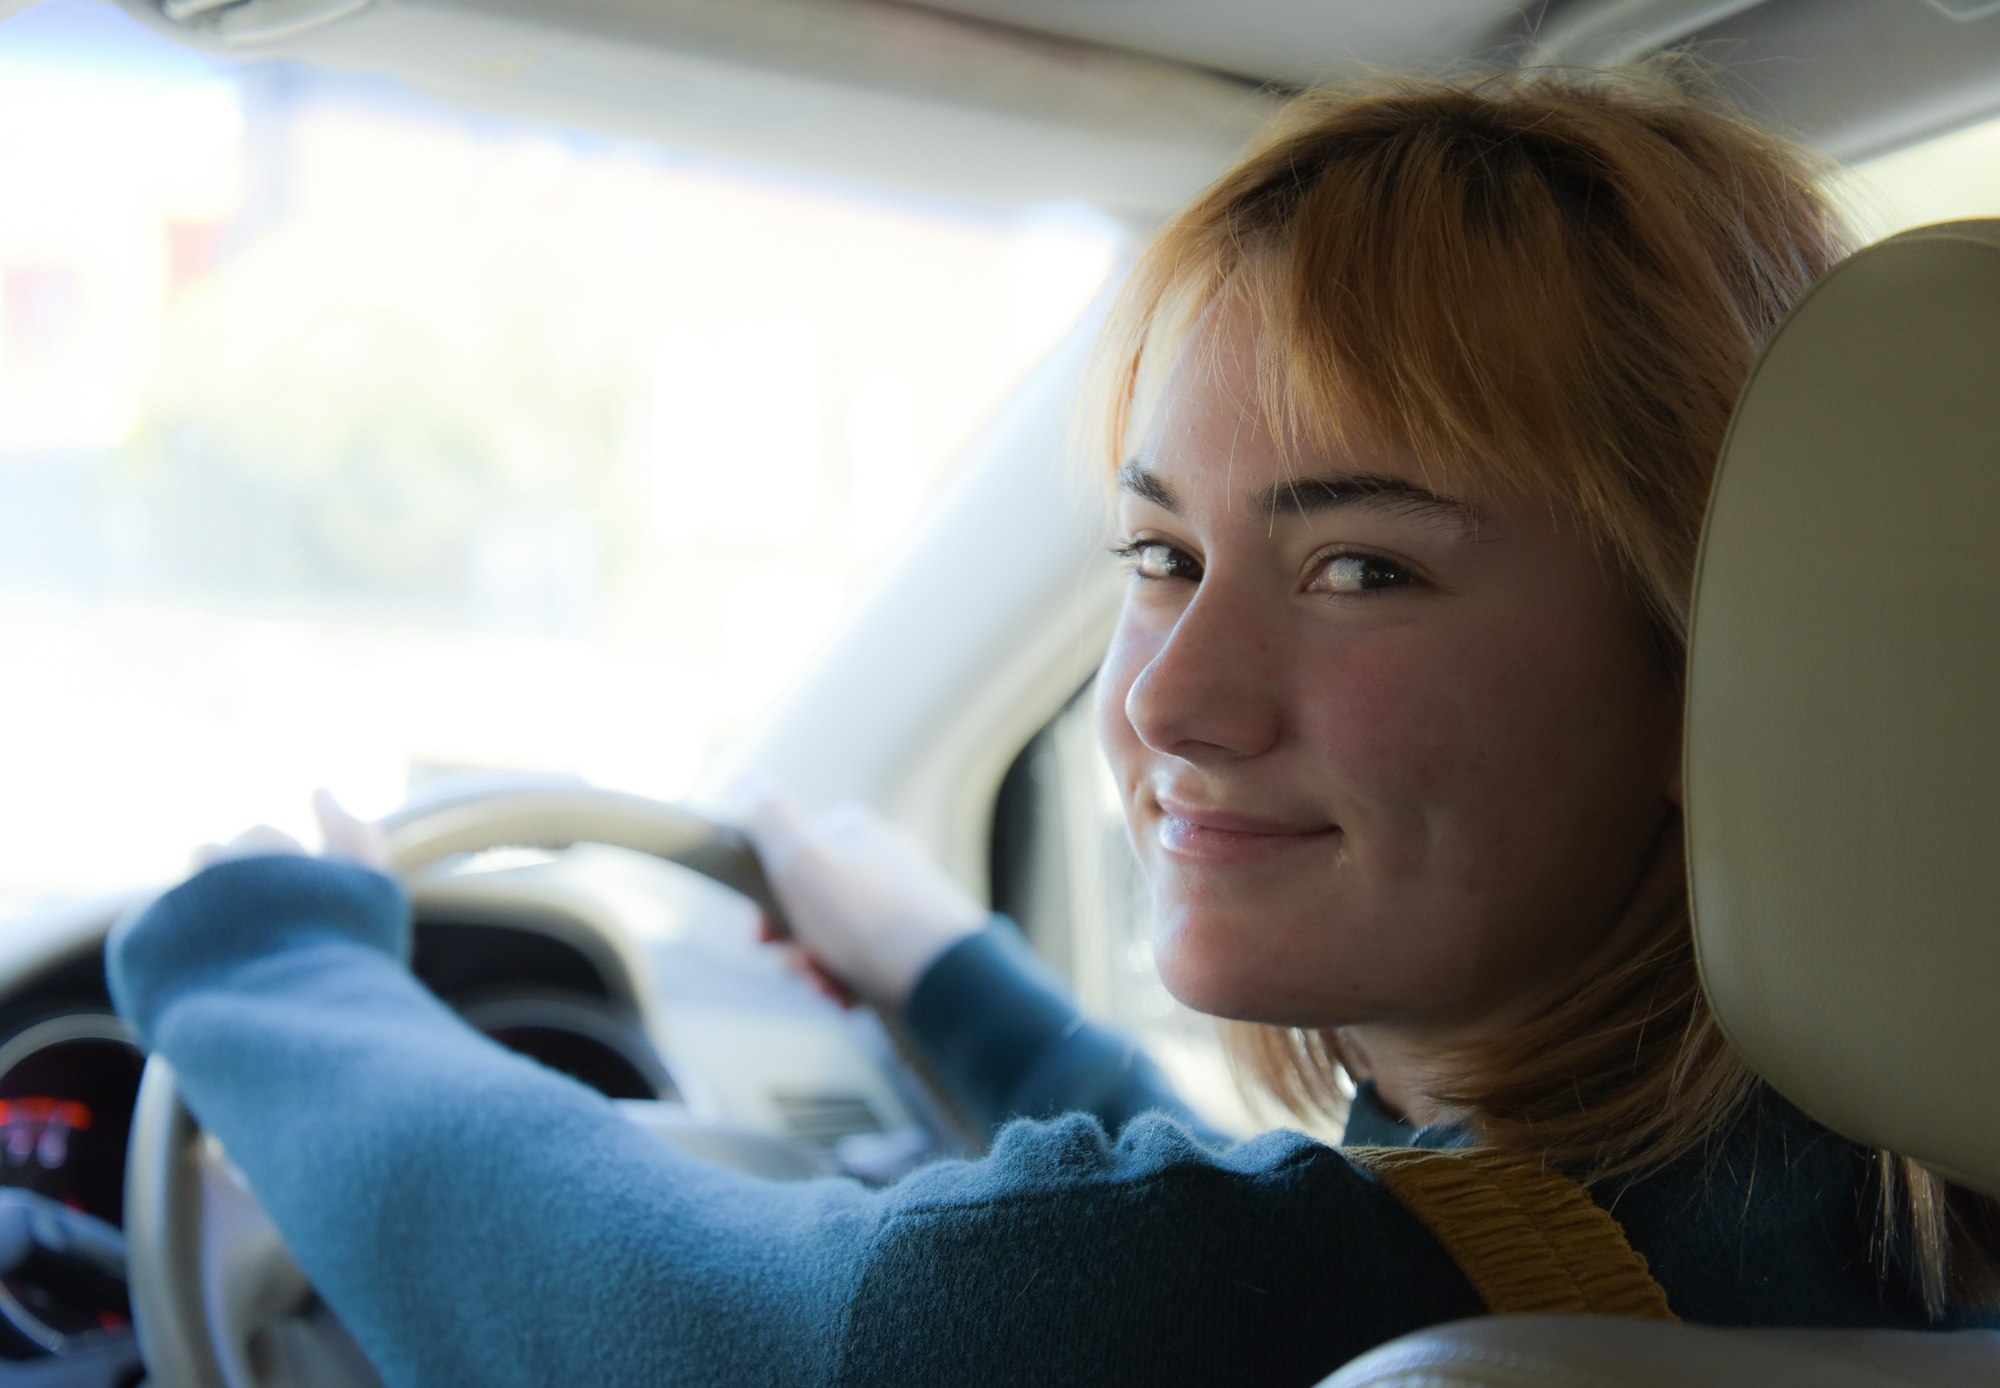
(231, 912)
(344, 836)
(869, 910)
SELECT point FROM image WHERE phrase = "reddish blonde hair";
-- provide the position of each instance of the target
(1555, 283)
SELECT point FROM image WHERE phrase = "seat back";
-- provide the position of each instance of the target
(1611, 1352)
(1843, 719)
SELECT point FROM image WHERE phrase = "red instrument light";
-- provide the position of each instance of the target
(67, 1113)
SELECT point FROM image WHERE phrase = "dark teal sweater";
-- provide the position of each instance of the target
(480, 1222)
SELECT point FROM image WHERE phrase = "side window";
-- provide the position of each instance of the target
(1064, 871)
(1947, 178)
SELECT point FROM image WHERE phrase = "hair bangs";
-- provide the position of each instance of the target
(1544, 284)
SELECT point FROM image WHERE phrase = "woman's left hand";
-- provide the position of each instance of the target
(344, 836)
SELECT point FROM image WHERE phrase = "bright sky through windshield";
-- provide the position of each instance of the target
(348, 439)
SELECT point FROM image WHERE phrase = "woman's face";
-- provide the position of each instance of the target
(1391, 752)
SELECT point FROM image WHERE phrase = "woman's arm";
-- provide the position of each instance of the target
(1003, 1030)
(873, 915)
(475, 1217)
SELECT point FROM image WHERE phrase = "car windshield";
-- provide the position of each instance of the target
(350, 438)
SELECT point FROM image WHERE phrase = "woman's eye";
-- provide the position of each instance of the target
(1361, 573)
(1156, 559)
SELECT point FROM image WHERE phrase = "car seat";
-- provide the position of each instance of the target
(1842, 766)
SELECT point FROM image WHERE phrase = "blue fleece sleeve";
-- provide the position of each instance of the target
(478, 1220)
(475, 1218)
(1005, 1034)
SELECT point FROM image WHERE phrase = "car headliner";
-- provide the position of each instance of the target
(1128, 106)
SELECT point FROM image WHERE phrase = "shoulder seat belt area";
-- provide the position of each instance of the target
(1530, 1240)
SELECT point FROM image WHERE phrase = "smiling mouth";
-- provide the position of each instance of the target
(1209, 837)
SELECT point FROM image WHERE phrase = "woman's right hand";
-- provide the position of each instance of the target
(869, 910)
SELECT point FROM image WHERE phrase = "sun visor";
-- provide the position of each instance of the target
(891, 94)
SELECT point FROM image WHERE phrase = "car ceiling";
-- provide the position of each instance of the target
(1130, 104)
(1289, 42)
(1856, 76)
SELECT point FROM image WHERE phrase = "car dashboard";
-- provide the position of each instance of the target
(630, 975)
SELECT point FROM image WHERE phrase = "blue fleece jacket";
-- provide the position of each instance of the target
(478, 1220)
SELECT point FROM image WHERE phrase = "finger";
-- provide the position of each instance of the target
(347, 836)
(844, 816)
(741, 797)
(768, 932)
(778, 827)
(261, 839)
(823, 980)
(832, 988)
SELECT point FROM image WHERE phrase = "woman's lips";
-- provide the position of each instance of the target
(1217, 836)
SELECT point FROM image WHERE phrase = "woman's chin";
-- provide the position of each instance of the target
(1203, 972)
(1244, 970)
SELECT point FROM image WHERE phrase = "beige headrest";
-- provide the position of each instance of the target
(1843, 725)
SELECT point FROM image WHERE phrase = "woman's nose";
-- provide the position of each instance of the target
(1209, 691)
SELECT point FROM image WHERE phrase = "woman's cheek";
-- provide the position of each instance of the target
(1127, 655)
(1386, 727)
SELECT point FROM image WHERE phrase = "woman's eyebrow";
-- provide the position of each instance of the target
(1135, 478)
(1310, 495)
(1324, 492)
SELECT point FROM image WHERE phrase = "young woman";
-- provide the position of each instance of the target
(1411, 418)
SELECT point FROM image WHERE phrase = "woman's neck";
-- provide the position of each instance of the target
(1399, 1073)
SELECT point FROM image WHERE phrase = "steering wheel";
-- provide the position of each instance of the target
(217, 1300)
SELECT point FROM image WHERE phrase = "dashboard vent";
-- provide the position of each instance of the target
(823, 1119)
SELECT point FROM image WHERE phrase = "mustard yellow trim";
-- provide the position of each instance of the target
(1528, 1239)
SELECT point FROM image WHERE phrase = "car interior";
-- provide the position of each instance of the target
(580, 899)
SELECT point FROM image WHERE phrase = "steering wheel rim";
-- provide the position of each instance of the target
(206, 1267)
(558, 817)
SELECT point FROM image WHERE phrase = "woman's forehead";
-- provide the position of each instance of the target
(1223, 417)
(1213, 439)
